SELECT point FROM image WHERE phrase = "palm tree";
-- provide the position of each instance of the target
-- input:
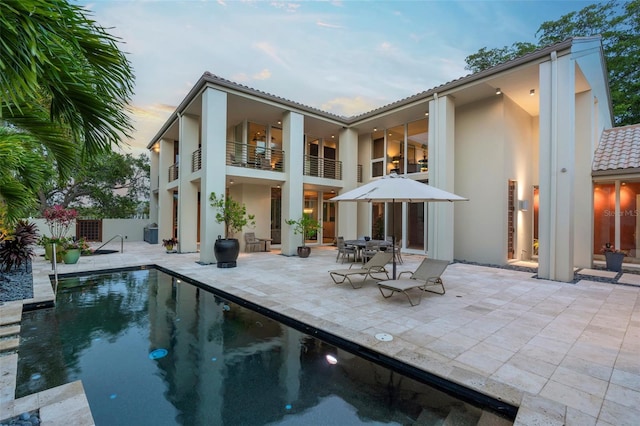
(64, 87)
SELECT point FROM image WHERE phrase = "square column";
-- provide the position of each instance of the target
(557, 168)
(440, 222)
(348, 211)
(165, 195)
(292, 189)
(214, 145)
(188, 201)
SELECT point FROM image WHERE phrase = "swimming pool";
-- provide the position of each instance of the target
(153, 349)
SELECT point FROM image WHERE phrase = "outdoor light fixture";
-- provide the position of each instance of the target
(307, 210)
(498, 91)
(231, 182)
(426, 114)
(532, 92)
(523, 205)
(375, 129)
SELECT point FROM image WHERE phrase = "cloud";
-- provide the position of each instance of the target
(286, 6)
(270, 51)
(265, 74)
(349, 106)
(325, 25)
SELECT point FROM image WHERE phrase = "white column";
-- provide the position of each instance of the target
(165, 196)
(440, 221)
(586, 140)
(214, 122)
(292, 189)
(348, 211)
(154, 173)
(557, 165)
(188, 191)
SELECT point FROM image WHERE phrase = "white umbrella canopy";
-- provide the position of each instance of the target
(392, 188)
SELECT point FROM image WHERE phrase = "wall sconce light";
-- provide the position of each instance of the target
(396, 160)
(231, 182)
(156, 147)
(375, 129)
(498, 91)
(426, 114)
(532, 92)
(307, 210)
(523, 205)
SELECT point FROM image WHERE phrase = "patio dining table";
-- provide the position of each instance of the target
(360, 244)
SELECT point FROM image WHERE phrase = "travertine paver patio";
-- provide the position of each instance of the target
(564, 353)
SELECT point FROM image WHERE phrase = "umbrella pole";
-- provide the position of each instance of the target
(393, 237)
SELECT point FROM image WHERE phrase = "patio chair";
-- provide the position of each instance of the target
(345, 250)
(427, 275)
(251, 243)
(370, 250)
(397, 249)
(374, 266)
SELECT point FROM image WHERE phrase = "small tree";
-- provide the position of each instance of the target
(230, 212)
(306, 225)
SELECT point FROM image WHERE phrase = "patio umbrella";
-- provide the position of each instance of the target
(392, 188)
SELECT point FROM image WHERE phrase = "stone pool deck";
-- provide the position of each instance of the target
(565, 354)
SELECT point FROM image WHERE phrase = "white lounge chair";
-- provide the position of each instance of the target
(427, 275)
(375, 265)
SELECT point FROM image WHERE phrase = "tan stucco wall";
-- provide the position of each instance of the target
(257, 199)
(495, 142)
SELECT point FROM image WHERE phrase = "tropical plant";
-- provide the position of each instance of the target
(65, 88)
(16, 247)
(230, 212)
(610, 248)
(306, 225)
(75, 244)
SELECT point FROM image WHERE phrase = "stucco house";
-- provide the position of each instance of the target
(519, 140)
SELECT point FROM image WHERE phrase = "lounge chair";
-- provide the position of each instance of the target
(374, 266)
(427, 275)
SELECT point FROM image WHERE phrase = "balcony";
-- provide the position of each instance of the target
(173, 172)
(196, 160)
(254, 157)
(322, 167)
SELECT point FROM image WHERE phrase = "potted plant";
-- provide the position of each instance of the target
(307, 226)
(235, 217)
(613, 257)
(169, 244)
(72, 249)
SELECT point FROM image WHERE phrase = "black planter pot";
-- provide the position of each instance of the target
(614, 261)
(304, 251)
(226, 251)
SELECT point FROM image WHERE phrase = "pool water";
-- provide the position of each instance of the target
(151, 349)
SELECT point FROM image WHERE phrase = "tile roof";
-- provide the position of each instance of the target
(619, 148)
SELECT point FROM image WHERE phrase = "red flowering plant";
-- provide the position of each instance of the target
(59, 220)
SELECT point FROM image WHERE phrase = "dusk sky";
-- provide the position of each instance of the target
(345, 57)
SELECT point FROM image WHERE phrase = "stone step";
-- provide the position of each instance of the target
(9, 330)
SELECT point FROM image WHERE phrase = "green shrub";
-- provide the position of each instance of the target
(16, 247)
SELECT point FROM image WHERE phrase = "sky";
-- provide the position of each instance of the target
(345, 57)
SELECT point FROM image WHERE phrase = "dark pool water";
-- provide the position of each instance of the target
(151, 350)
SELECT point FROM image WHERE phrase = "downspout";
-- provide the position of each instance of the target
(553, 180)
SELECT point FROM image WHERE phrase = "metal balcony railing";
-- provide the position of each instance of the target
(254, 157)
(196, 160)
(359, 173)
(322, 167)
(173, 172)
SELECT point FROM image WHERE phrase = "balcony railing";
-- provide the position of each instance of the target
(196, 160)
(255, 157)
(359, 173)
(173, 172)
(322, 167)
